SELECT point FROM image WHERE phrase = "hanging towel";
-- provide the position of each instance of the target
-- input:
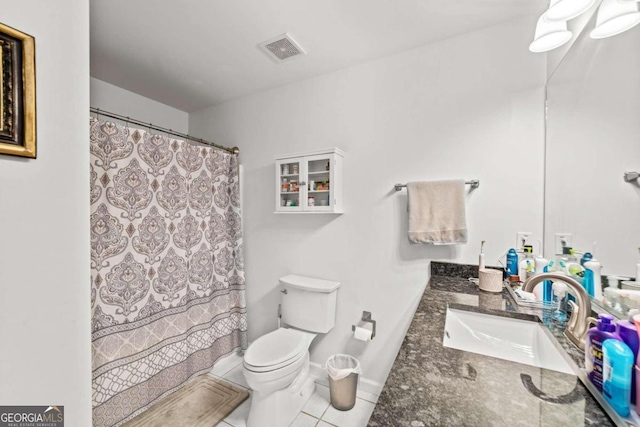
(437, 212)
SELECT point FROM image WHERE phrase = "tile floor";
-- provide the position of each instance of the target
(316, 413)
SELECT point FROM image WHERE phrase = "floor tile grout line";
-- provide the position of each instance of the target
(234, 367)
(236, 384)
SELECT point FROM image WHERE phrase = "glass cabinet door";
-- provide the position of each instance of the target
(319, 181)
(289, 177)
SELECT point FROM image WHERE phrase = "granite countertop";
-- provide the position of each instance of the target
(432, 385)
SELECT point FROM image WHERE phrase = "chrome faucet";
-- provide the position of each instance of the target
(579, 321)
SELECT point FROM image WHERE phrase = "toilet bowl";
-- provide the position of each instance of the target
(276, 367)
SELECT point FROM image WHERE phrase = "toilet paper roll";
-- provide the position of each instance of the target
(362, 334)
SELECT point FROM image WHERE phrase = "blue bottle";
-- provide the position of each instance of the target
(547, 286)
(587, 282)
(616, 384)
(512, 262)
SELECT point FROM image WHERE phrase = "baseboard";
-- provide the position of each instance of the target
(318, 372)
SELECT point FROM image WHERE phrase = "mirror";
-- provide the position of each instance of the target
(592, 139)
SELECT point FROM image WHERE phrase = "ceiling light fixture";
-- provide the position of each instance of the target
(550, 35)
(564, 10)
(615, 17)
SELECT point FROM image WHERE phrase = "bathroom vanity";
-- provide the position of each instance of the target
(433, 385)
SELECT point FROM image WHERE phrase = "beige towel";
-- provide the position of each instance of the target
(437, 212)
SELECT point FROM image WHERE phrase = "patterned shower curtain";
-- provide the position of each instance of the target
(167, 280)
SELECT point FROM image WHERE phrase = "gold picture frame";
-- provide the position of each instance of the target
(17, 93)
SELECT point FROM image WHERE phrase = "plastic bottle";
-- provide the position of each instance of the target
(636, 321)
(587, 282)
(629, 334)
(512, 262)
(526, 266)
(540, 261)
(594, 278)
(547, 285)
(560, 314)
(604, 330)
(616, 386)
(587, 256)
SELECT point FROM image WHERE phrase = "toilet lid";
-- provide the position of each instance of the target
(275, 347)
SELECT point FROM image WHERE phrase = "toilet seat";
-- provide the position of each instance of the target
(276, 350)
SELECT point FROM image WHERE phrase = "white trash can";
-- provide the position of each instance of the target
(343, 371)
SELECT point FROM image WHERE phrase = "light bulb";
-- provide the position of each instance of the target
(563, 10)
(615, 17)
(549, 35)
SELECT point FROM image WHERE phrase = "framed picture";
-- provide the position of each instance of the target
(17, 93)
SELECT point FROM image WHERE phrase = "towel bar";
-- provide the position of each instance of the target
(474, 183)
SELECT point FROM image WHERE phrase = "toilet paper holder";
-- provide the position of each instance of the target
(366, 318)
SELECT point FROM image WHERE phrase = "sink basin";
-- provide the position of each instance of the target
(505, 338)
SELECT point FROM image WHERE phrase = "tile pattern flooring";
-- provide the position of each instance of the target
(316, 413)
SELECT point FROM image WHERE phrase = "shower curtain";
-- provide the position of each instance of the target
(167, 280)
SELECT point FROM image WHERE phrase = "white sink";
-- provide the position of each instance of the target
(505, 338)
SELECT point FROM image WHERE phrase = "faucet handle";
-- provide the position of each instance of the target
(575, 310)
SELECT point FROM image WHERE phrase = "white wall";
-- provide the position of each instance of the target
(592, 139)
(44, 223)
(120, 101)
(467, 107)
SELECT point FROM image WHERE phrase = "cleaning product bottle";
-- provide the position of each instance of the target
(593, 278)
(616, 385)
(512, 262)
(605, 329)
(526, 266)
(629, 334)
(574, 269)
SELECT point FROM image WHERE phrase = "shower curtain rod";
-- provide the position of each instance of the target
(99, 112)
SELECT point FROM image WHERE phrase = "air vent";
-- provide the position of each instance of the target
(282, 48)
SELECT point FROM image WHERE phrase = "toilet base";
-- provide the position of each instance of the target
(280, 408)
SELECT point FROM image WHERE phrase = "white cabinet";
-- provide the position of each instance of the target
(309, 182)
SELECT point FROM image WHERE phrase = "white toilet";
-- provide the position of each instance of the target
(276, 365)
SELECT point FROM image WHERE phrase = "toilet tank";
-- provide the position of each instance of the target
(309, 303)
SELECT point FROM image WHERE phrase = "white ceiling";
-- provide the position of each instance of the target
(193, 54)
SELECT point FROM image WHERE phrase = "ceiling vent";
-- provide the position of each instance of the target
(282, 48)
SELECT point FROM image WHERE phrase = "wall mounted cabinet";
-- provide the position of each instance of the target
(309, 182)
